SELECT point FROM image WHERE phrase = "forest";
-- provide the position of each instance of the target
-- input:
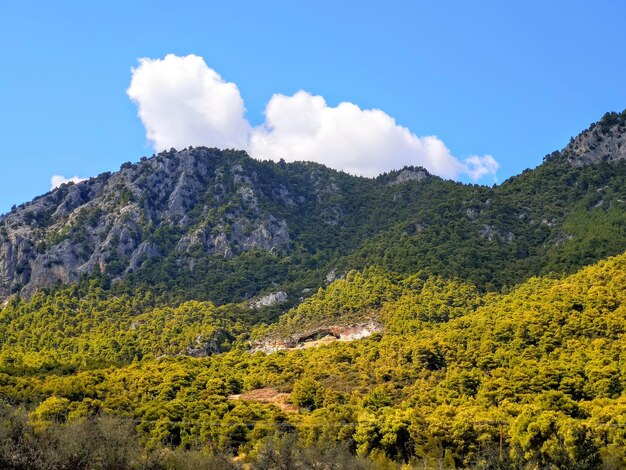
(421, 323)
(459, 377)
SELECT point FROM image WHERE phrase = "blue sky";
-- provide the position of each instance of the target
(514, 80)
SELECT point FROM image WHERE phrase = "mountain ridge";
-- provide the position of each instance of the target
(182, 209)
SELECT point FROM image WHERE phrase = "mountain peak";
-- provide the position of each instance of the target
(603, 141)
(178, 201)
(404, 175)
(410, 174)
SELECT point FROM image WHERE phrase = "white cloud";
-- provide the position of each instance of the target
(363, 142)
(477, 167)
(183, 102)
(58, 180)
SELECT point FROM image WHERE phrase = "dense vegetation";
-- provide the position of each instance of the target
(454, 370)
(494, 317)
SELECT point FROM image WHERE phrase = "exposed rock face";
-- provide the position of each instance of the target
(603, 141)
(318, 336)
(490, 233)
(204, 347)
(410, 174)
(331, 275)
(268, 300)
(204, 200)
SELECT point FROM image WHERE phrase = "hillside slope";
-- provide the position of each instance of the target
(220, 226)
(451, 372)
(422, 321)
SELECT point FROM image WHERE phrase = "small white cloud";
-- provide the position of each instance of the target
(58, 180)
(182, 102)
(477, 167)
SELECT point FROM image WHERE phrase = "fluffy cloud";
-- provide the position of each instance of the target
(477, 167)
(58, 180)
(360, 141)
(183, 102)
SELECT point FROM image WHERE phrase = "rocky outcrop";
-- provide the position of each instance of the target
(603, 141)
(203, 200)
(318, 336)
(206, 346)
(228, 240)
(410, 174)
(269, 300)
(491, 233)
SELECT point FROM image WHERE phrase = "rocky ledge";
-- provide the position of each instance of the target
(318, 336)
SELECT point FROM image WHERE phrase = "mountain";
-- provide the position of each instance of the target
(173, 221)
(180, 208)
(202, 309)
(602, 141)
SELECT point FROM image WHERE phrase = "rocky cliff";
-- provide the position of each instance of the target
(603, 141)
(197, 201)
